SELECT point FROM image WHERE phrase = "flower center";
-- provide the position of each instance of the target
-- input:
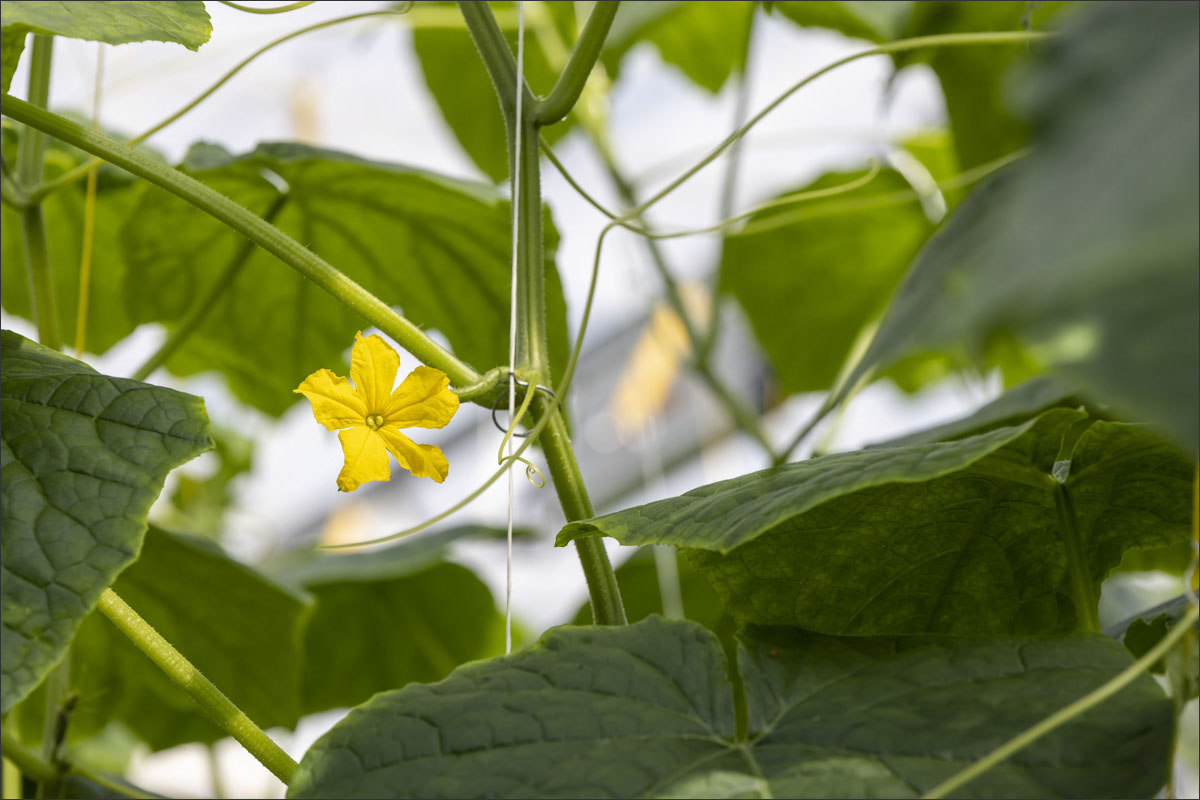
(374, 421)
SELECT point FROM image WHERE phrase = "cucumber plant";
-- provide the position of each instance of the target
(916, 618)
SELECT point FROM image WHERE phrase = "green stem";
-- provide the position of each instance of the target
(532, 352)
(1081, 577)
(25, 759)
(1068, 713)
(231, 718)
(603, 591)
(200, 310)
(30, 154)
(10, 783)
(561, 99)
(253, 227)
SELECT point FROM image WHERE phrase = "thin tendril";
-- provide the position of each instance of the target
(89, 220)
(275, 10)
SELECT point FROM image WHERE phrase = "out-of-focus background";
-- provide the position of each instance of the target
(358, 87)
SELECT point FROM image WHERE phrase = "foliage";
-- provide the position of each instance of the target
(916, 617)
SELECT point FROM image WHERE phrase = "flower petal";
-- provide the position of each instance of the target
(373, 366)
(335, 404)
(422, 460)
(421, 401)
(366, 458)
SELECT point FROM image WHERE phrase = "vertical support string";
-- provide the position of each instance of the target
(512, 320)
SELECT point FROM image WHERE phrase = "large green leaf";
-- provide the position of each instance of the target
(84, 455)
(462, 90)
(238, 627)
(112, 22)
(706, 41)
(875, 22)
(1086, 250)
(951, 538)
(116, 196)
(391, 617)
(809, 285)
(645, 710)
(437, 248)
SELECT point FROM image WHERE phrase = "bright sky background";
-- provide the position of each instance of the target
(358, 88)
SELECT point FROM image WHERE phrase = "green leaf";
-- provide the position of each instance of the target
(875, 22)
(645, 710)
(390, 617)
(437, 248)
(84, 455)
(111, 22)
(1085, 251)
(238, 627)
(63, 210)
(706, 41)
(12, 44)
(809, 285)
(948, 538)
(463, 91)
(973, 79)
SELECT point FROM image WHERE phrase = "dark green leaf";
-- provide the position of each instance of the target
(112, 22)
(463, 91)
(809, 285)
(706, 41)
(645, 710)
(1086, 250)
(437, 248)
(875, 22)
(84, 455)
(390, 617)
(951, 538)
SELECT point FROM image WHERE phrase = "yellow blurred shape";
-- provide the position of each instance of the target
(646, 381)
(346, 525)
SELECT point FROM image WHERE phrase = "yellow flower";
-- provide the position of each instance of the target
(368, 414)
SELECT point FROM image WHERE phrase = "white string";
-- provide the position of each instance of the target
(512, 317)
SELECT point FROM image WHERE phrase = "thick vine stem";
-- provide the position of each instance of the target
(532, 350)
(556, 105)
(222, 710)
(253, 227)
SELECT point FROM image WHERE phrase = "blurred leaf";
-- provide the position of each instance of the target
(436, 247)
(198, 505)
(386, 618)
(83, 457)
(875, 22)
(63, 210)
(463, 91)
(949, 538)
(974, 79)
(12, 44)
(113, 22)
(809, 285)
(1086, 250)
(706, 41)
(645, 710)
(1143, 631)
(239, 628)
